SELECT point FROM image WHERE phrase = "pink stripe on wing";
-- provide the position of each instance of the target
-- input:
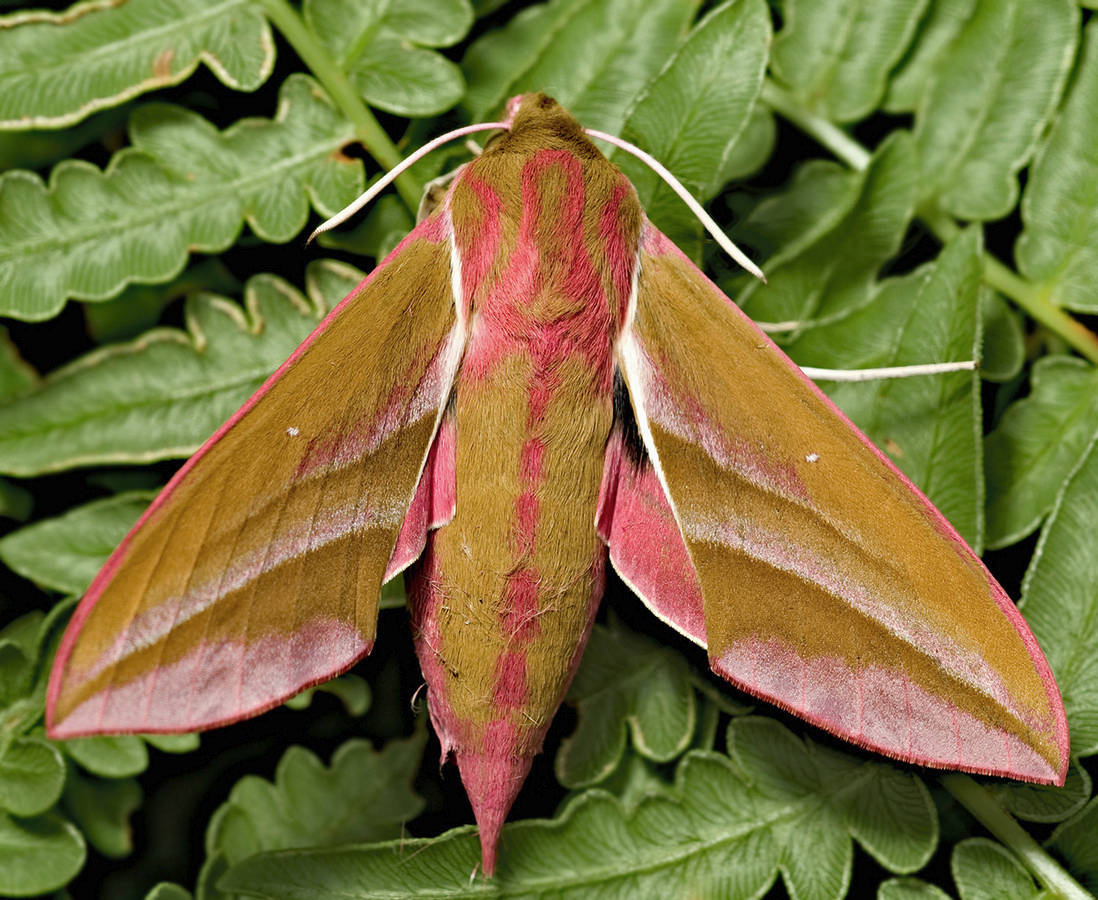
(268, 671)
(880, 709)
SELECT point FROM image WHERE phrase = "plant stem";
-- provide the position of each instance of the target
(343, 94)
(1034, 300)
(826, 133)
(1028, 296)
(975, 798)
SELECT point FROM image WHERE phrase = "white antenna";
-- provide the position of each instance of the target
(344, 214)
(888, 372)
(852, 375)
(777, 327)
(712, 227)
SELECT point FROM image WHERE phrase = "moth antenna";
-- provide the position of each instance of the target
(853, 375)
(778, 327)
(695, 207)
(967, 365)
(344, 214)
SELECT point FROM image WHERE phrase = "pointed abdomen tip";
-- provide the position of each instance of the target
(492, 784)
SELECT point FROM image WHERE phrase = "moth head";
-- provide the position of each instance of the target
(535, 121)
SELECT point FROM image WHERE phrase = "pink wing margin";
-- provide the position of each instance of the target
(256, 572)
(756, 523)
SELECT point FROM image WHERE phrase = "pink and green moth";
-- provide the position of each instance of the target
(534, 382)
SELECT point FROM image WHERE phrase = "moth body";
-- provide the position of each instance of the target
(505, 593)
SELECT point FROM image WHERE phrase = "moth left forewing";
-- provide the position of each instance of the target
(830, 585)
(256, 572)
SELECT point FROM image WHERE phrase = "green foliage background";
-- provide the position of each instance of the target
(919, 180)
